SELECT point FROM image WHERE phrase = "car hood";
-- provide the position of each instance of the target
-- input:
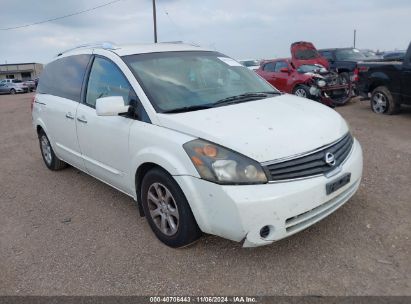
(304, 46)
(265, 129)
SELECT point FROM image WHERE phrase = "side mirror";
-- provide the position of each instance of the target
(284, 70)
(111, 106)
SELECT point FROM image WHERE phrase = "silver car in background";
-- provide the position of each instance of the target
(13, 86)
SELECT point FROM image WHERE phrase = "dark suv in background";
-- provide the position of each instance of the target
(343, 60)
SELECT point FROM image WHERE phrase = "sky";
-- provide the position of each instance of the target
(242, 29)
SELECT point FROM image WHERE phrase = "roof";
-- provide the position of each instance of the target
(16, 71)
(124, 50)
(155, 48)
(276, 59)
(19, 63)
(334, 49)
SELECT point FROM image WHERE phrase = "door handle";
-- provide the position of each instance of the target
(82, 119)
(69, 115)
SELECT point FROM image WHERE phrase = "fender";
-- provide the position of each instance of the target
(38, 122)
(168, 161)
(162, 147)
(379, 77)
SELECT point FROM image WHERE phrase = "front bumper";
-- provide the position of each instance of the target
(239, 212)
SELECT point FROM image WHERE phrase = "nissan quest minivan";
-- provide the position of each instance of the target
(201, 143)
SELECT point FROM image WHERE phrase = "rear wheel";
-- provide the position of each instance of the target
(382, 101)
(167, 210)
(50, 159)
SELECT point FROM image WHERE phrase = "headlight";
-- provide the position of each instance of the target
(223, 166)
(321, 83)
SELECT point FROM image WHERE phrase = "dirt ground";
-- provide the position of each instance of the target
(65, 233)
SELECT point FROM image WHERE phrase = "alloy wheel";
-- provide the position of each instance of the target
(379, 103)
(300, 92)
(163, 209)
(46, 149)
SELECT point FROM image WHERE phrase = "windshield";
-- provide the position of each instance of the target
(249, 63)
(349, 54)
(17, 81)
(306, 68)
(174, 80)
(305, 54)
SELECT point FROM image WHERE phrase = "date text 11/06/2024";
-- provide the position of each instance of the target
(203, 299)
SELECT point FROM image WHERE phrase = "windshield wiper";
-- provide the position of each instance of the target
(188, 109)
(229, 100)
(243, 98)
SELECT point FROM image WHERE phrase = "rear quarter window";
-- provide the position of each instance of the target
(64, 77)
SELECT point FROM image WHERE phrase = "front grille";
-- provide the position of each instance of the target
(311, 164)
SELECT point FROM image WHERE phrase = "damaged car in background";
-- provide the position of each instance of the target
(311, 81)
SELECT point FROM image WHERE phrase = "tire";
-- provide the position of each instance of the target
(12, 91)
(382, 101)
(302, 91)
(167, 210)
(343, 79)
(50, 159)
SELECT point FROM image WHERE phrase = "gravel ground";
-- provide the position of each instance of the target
(65, 233)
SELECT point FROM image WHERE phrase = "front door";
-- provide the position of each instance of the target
(104, 139)
(269, 75)
(281, 77)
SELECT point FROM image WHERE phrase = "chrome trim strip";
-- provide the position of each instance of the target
(328, 175)
(287, 158)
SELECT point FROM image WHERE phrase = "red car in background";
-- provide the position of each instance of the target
(311, 81)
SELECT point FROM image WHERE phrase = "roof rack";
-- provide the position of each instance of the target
(102, 45)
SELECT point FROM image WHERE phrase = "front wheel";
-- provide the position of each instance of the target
(12, 91)
(302, 91)
(167, 210)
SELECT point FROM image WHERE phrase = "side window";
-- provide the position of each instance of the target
(105, 80)
(327, 54)
(407, 58)
(279, 65)
(269, 67)
(64, 77)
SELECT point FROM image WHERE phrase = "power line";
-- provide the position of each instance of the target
(61, 17)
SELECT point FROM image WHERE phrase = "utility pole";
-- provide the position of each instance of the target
(355, 36)
(155, 21)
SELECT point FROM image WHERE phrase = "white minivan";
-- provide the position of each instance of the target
(200, 142)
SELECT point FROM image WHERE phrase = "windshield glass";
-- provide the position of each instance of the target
(174, 80)
(349, 54)
(306, 68)
(17, 81)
